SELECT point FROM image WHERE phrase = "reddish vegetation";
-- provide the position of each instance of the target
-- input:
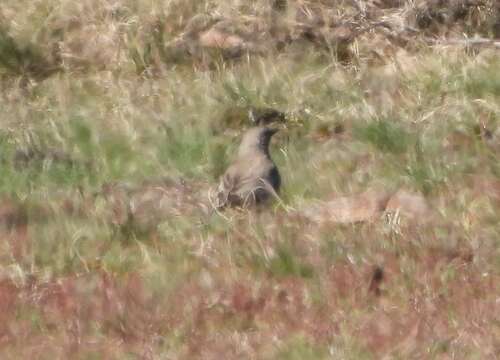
(420, 298)
(239, 316)
(386, 272)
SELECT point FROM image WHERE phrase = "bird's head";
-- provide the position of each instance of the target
(256, 139)
(265, 116)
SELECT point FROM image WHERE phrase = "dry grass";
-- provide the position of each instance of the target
(119, 116)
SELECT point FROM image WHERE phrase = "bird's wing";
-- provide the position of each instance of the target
(226, 187)
(238, 182)
(243, 180)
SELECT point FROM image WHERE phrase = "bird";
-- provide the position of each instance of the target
(253, 178)
(265, 116)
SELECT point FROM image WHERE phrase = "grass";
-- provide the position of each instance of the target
(384, 135)
(110, 248)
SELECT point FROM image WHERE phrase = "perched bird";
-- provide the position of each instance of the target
(253, 177)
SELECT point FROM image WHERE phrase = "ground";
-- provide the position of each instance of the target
(119, 117)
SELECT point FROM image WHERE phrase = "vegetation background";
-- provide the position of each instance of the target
(118, 117)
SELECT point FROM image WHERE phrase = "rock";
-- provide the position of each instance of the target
(367, 206)
(214, 38)
(146, 205)
(409, 204)
(370, 206)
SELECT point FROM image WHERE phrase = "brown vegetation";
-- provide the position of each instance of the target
(119, 116)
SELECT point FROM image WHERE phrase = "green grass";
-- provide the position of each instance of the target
(384, 135)
(300, 349)
(111, 249)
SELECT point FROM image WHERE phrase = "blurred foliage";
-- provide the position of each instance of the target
(109, 239)
(385, 135)
(23, 60)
